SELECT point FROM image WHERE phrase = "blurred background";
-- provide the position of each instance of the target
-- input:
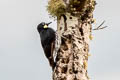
(21, 54)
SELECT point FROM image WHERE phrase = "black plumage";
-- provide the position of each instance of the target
(47, 36)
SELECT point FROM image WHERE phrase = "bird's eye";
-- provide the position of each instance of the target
(43, 23)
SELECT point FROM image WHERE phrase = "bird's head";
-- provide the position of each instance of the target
(43, 26)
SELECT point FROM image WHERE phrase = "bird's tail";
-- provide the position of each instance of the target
(52, 63)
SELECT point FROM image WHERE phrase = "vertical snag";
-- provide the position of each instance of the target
(74, 19)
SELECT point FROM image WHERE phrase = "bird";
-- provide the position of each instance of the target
(47, 36)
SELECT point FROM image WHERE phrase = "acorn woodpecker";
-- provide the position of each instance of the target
(47, 36)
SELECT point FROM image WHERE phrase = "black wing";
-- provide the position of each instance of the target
(48, 42)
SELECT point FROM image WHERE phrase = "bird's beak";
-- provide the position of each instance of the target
(46, 25)
(49, 23)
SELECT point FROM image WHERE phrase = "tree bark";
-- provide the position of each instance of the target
(73, 36)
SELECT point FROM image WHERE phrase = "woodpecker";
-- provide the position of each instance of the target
(47, 36)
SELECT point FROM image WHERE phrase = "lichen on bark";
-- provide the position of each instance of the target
(56, 7)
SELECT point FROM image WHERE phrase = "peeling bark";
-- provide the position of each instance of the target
(72, 56)
(72, 43)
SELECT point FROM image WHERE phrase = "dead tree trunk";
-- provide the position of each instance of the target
(74, 19)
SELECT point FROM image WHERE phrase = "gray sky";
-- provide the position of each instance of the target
(21, 55)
